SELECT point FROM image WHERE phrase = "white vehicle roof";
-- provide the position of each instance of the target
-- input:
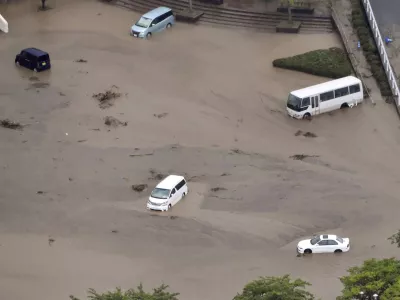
(326, 86)
(328, 236)
(170, 182)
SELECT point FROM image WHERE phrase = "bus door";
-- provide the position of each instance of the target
(314, 105)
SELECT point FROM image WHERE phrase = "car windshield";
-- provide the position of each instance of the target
(315, 240)
(294, 102)
(160, 193)
(143, 22)
(339, 239)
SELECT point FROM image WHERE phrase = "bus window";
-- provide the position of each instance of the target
(326, 96)
(294, 102)
(305, 102)
(342, 92)
(354, 88)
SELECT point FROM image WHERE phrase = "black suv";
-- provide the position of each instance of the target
(34, 59)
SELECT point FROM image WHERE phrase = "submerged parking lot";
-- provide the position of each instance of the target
(201, 102)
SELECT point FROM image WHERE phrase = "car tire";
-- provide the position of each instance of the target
(344, 105)
(183, 195)
(307, 251)
(169, 25)
(338, 251)
(17, 63)
(307, 116)
(148, 36)
(169, 206)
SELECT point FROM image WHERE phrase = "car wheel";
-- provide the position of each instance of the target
(344, 105)
(307, 251)
(169, 206)
(183, 195)
(338, 251)
(17, 63)
(148, 36)
(169, 25)
(307, 116)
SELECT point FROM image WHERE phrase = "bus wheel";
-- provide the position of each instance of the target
(344, 105)
(307, 116)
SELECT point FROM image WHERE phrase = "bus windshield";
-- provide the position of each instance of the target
(294, 102)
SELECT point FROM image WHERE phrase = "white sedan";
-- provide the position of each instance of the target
(324, 243)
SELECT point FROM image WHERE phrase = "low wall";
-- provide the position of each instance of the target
(349, 52)
(391, 76)
(3, 24)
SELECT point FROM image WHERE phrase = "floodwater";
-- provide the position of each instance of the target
(200, 101)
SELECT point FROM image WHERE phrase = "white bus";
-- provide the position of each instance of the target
(325, 97)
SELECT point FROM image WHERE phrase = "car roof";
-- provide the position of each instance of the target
(326, 86)
(156, 12)
(328, 236)
(35, 51)
(170, 182)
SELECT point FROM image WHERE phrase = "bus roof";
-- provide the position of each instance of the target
(326, 86)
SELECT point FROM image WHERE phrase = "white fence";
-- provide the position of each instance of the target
(382, 51)
(3, 24)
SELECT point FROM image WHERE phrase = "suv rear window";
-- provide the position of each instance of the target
(43, 57)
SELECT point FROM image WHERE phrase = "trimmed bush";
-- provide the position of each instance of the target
(332, 63)
(365, 35)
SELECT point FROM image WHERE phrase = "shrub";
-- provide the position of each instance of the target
(360, 24)
(332, 63)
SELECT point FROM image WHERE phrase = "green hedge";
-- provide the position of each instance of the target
(365, 35)
(332, 63)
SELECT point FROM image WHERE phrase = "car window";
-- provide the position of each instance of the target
(173, 191)
(332, 242)
(315, 240)
(339, 239)
(156, 21)
(323, 243)
(180, 185)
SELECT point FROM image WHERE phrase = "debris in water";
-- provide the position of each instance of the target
(51, 241)
(6, 123)
(107, 98)
(305, 134)
(160, 116)
(217, 189)
(114, 122)
(81, 60)
(155, 175)
(302, 156)
(139, 187)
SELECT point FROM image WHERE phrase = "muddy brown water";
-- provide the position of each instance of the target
(224, 114)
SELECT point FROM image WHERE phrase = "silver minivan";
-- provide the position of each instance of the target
(154, 21)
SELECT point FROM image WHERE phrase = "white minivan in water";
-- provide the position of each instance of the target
(154, 21)
(167, 193)
(325, 97)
